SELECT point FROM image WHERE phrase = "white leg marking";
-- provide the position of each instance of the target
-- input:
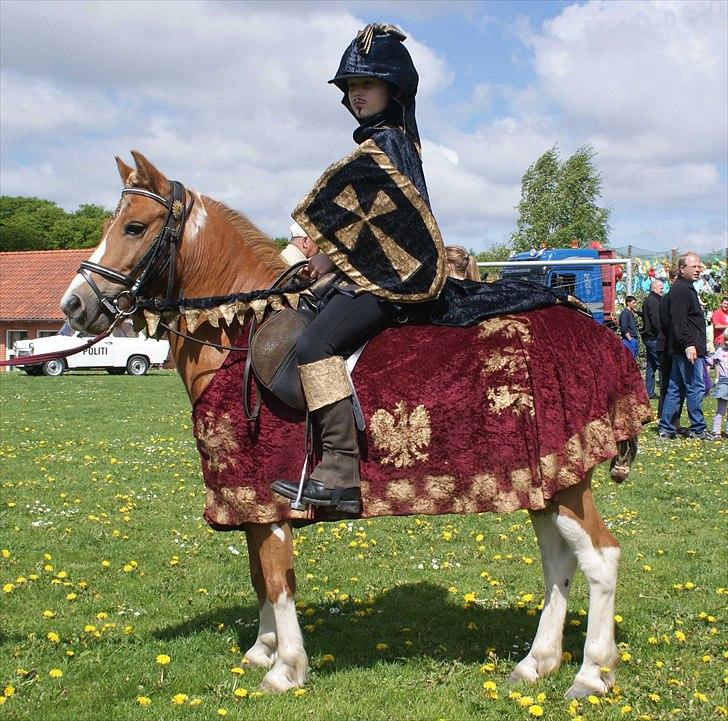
(263, 651)
(291, 667)
(600, 568)
(559, 566)
(278, 532)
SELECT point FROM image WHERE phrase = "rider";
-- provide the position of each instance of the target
(379, 83)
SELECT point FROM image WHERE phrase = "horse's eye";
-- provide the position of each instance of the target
(134, 228)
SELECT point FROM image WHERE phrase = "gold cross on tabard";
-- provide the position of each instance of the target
(402, 262)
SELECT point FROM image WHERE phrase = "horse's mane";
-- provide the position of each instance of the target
(252, 237)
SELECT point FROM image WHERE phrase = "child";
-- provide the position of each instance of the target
(719, 360)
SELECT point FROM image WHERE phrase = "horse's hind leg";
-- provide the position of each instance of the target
(275, 552)
(597, 553)
(263, 651)
(559, 566)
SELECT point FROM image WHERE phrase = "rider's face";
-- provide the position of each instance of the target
(367, 96)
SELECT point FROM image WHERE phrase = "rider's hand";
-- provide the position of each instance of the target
(691, 353)
(319, 265)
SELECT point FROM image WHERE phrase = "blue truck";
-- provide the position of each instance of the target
(592, 284)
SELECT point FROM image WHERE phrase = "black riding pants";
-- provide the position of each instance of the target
(344, 323)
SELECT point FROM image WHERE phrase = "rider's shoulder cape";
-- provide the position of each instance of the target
(369, 218)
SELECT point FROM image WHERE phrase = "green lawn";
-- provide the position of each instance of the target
(106, 564)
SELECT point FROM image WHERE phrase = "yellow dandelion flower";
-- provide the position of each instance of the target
(698, 696)
(237, 670)
(535, 710)
(3, 699)
(525, 701)
(105, 564)
(327, 658)
(9, 691)
(469, 597)
(48, 614)
(489, 685)
(240, 692)
(195, 701)
(654, 697)
(618, 618)
(566, 656)
(679, 635)
(299, 692)
(53, 637)
(8, 588)
(222, 712)
(5, 553)
(163, 659)
(71, 596)
(55, 673)
(179, 698)
(143, 700)
(382, 646)
(594, 700)
(626, 708)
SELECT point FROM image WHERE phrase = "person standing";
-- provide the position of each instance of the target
(686, 342)
(650, 332)
(628, 325)
(719, 319)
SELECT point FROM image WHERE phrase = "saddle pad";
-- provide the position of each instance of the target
(493, 417)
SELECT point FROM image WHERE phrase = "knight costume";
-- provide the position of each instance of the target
(370, 214)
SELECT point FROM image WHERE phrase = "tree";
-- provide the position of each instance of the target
(38, 224)
(558, 206)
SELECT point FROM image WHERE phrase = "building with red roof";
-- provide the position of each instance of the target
(32, 284)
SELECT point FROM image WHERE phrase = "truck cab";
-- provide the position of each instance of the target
(594, 285)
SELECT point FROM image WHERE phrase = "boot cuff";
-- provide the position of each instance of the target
(324, 382)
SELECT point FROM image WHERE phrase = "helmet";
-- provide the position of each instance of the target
(378, 51)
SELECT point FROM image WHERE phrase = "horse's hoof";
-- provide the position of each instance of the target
(281, 678)
(523, 672)
(579, 689)
(260, 657)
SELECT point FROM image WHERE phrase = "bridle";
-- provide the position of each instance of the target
(161, 256)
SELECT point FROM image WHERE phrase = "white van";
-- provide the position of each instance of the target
(122, 352)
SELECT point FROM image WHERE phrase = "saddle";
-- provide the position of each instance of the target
(272, 346)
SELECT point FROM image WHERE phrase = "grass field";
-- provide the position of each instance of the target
(106, 569)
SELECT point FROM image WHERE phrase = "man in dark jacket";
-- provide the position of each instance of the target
(628, 325)
(650, 331)
(685, 340)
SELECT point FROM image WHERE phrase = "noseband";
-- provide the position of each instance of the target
(161, 256)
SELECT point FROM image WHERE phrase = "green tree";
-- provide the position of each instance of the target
(558, 206)
(37, 224)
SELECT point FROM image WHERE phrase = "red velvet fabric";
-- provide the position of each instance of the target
(494, 417)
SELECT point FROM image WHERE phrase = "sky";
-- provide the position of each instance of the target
(231, 99)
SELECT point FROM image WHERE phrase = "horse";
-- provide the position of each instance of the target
(219, 251)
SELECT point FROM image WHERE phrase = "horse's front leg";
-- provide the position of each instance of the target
(559, 565)
(274, 544)
(263, 651)
(597, 553)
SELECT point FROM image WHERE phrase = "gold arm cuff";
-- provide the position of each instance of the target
(324, 382)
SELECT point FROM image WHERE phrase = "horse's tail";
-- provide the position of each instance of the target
(621, 464)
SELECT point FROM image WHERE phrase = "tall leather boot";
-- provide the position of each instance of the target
(335, 481)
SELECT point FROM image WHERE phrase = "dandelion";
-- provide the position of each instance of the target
(55, 673)
(195, 701)
(327, 658)
(237, 670)
(163, 659)
(382, 646)
(698, 696)
(618, 618)
(8, 588)
(48, 614)
(626, 708)
(71, 596)
(240, 692)
(680, 636)
(654, 697)
(143, 700)
(626, 657)
(5, 553)
(566, 656)
(179, 698)
(53, 637)
(222, 712)
(525, 701)
(9, 691)
(299, 692)
(535, 710)
(594, 700)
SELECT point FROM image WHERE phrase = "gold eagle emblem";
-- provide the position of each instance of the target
(402, 434)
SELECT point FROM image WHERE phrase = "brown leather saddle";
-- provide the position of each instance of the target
(272, 344)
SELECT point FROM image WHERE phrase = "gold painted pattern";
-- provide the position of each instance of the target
(217, 438)
(325, 382)
(402, 434)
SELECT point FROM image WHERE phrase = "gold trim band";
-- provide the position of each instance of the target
(325, 382)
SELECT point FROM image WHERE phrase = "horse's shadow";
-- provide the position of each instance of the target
(414, 621)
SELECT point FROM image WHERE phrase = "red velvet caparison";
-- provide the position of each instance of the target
(494, 417)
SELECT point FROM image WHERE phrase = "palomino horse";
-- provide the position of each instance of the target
(219, 252)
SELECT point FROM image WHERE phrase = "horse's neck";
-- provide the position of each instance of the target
(222, 253)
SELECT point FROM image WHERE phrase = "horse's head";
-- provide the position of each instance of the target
(137, 250)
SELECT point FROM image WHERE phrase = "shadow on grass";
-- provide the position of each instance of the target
(431, 619)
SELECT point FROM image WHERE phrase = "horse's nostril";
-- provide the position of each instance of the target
(71, 304)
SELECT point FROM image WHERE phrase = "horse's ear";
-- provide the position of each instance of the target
(124, 170)
(147, 176)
